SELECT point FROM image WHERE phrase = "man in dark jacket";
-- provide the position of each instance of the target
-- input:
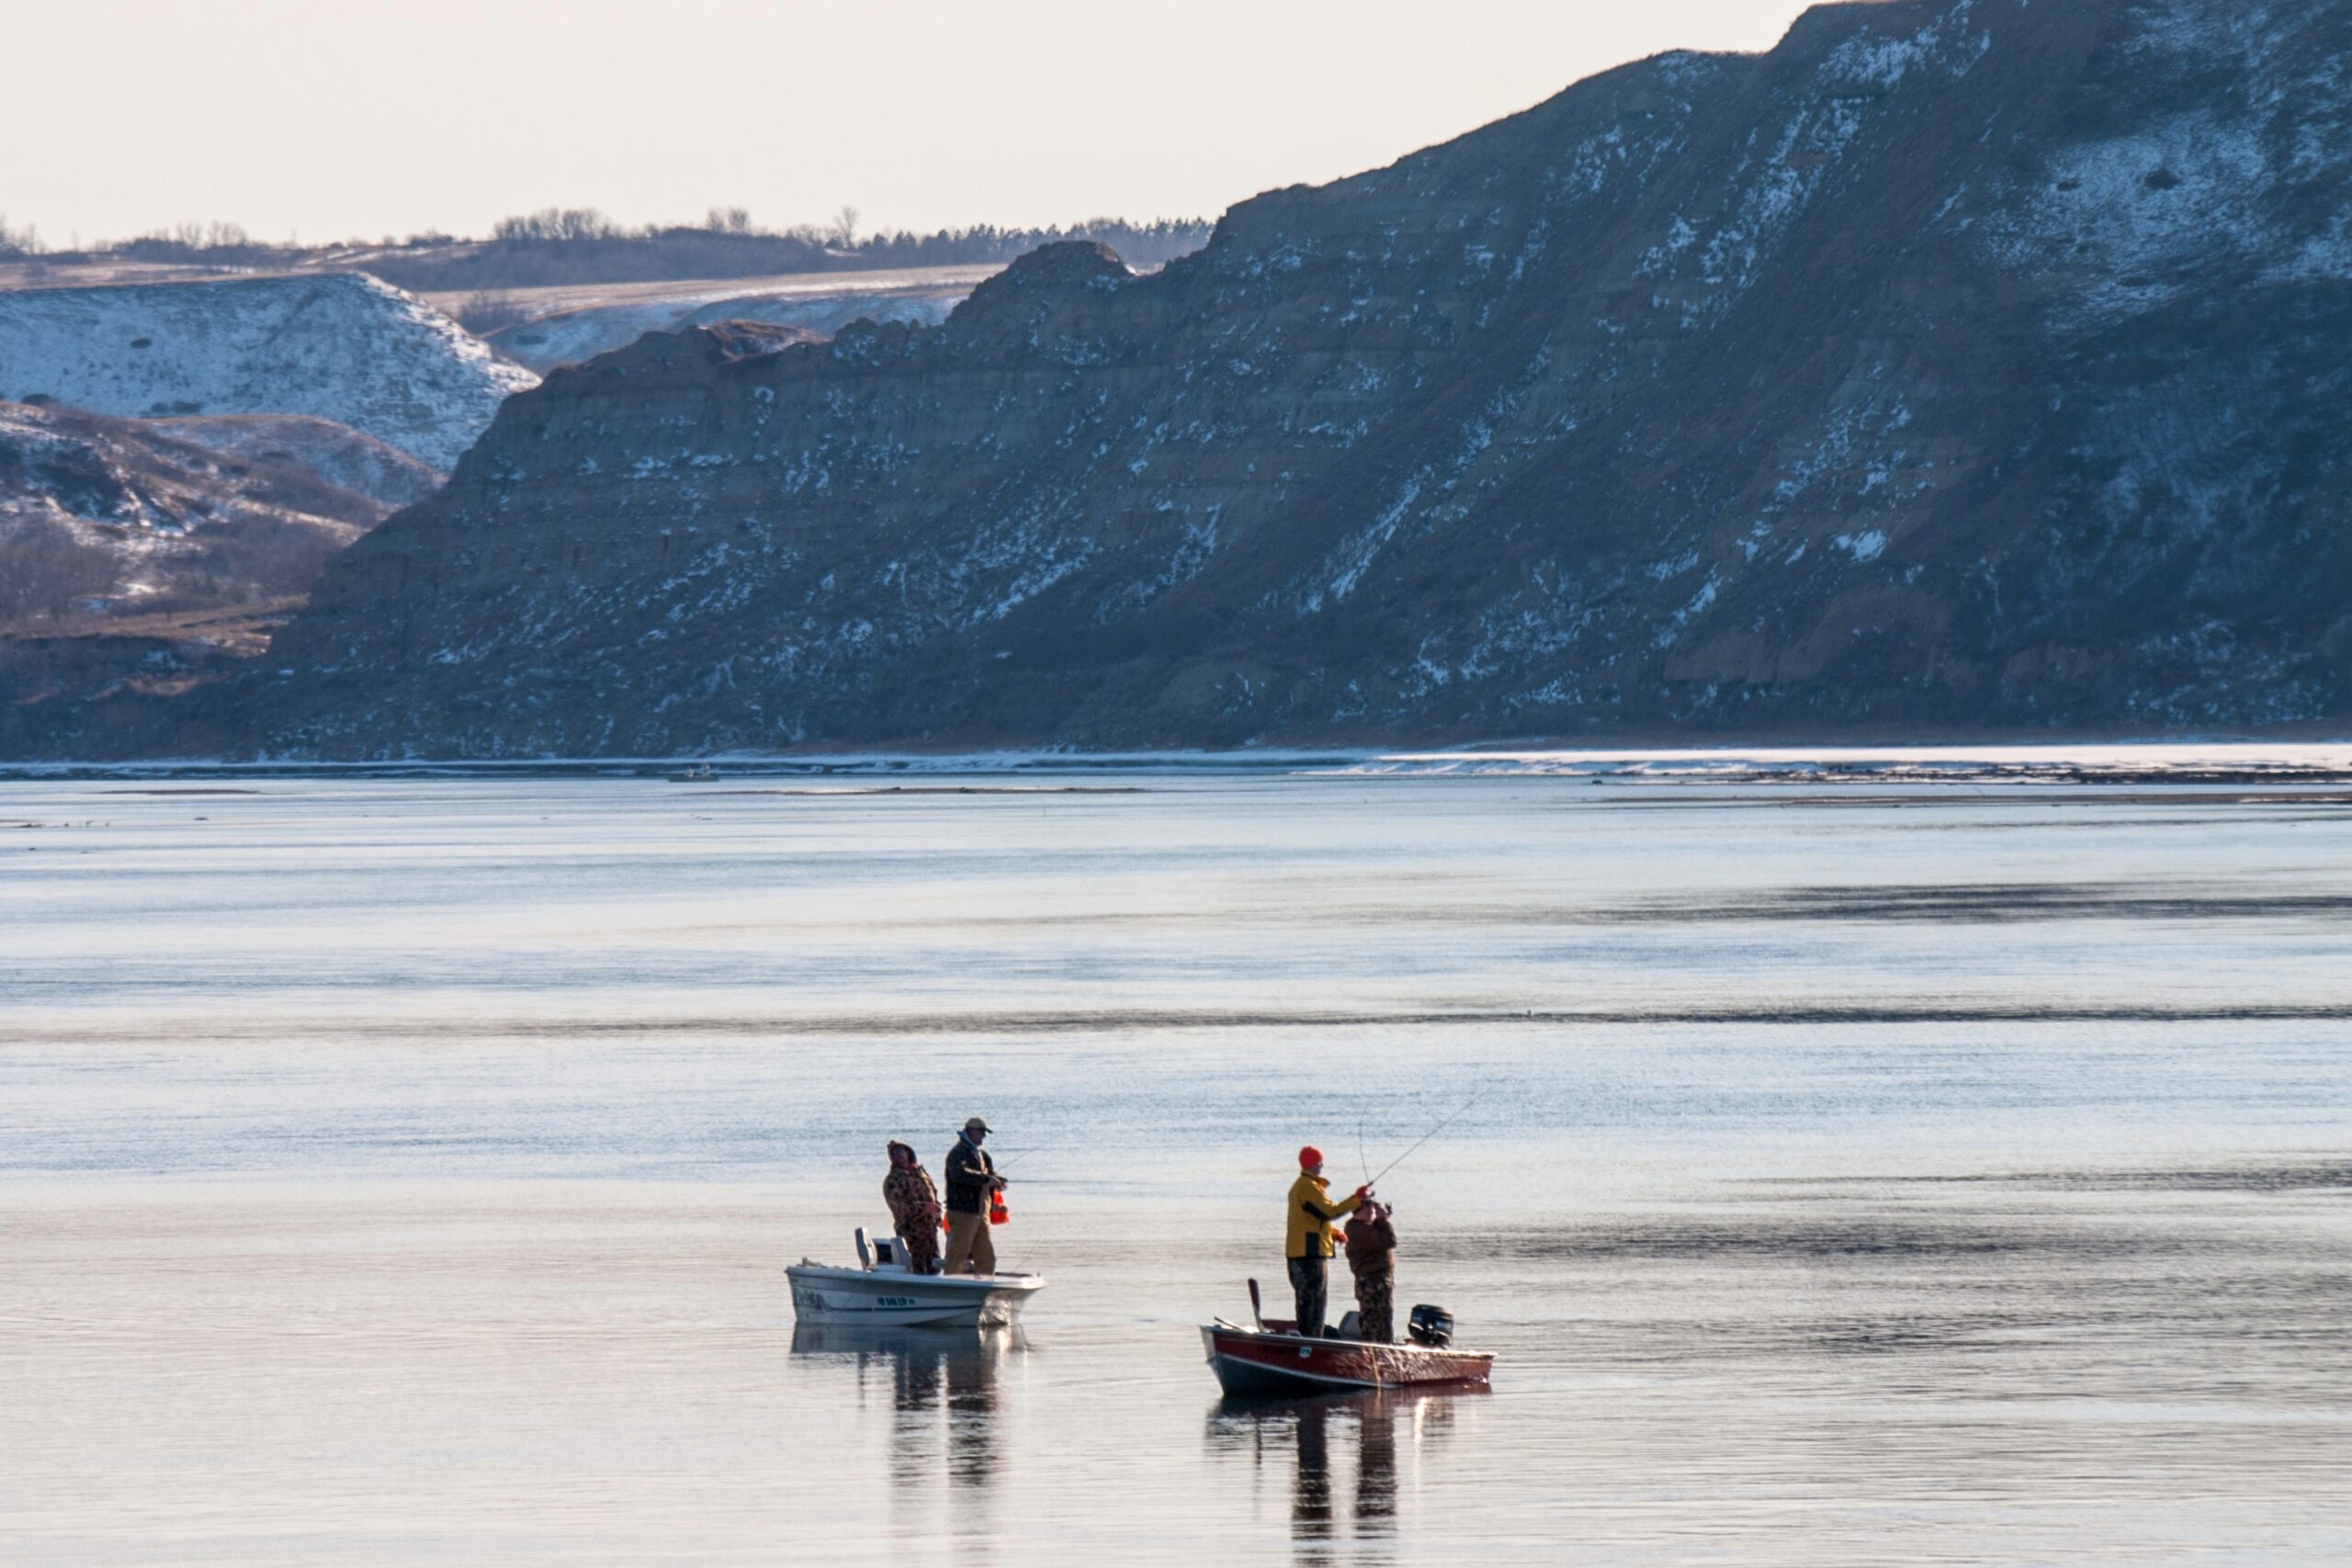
(1371, 1258)
(970, 1178)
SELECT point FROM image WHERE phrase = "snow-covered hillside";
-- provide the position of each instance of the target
(573, 325)
(335, 453)
(344, 347)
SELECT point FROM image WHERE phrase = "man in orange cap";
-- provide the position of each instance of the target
(1309, 1242)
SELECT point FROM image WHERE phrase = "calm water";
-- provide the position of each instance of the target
(401, 1172)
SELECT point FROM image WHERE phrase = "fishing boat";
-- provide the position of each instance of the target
(882, 1291)
(1272, 1358)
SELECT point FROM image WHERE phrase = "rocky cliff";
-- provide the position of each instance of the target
(1960, 364)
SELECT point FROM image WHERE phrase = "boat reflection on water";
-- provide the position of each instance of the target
(943, 1384)
(1379, 1440)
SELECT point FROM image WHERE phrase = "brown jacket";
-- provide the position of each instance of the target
(914, 1203)
(1371, 1245)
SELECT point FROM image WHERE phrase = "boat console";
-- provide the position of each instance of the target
(883, 1291)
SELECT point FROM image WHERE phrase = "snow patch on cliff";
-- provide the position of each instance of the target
(1944, 44)
(2144, 206)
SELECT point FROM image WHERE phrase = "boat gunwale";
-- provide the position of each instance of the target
(896, 1278)
(1476, 1369)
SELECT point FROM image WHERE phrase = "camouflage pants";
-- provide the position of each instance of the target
(1376, 1307)
(923, 1246)
(1309, 1282)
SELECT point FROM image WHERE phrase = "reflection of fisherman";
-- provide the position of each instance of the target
(1310, 1499)
(1313, 1504)
(1308, 1245)
(936, 1373)
(970, 1178)
(1372, 1258)
(915, 1208)
(1376, 1471)
(1314, 1434)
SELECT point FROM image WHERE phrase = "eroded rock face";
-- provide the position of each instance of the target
(1971, 363)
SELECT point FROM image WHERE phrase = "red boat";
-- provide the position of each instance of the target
(1274, 1358)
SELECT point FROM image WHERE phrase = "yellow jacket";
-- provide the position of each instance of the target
(1311, 1214)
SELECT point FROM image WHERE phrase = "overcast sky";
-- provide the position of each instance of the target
(334, 118)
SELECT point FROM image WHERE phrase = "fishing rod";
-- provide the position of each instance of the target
(1432, 1133)
(1016, 1156)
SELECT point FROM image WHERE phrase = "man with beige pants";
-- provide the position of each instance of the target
(970, 1179)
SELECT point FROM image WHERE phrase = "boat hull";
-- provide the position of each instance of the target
(887, 1298)
(1254, 1363)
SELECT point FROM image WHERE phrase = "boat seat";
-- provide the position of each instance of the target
(885, 1254)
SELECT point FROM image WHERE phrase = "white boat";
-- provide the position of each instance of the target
(884, 1293)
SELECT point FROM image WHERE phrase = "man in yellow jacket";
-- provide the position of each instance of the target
(1309, 1246)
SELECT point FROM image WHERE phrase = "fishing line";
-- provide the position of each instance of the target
(1432, 1133)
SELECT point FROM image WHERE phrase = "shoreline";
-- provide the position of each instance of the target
(2153, 761)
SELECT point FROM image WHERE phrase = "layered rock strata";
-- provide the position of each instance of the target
(1959, 364)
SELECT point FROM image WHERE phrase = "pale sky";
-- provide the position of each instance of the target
(326, 119)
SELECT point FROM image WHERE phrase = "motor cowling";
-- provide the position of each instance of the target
(1430, 1326)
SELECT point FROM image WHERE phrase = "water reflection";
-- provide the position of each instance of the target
(943, 1391)
(1336, 1510)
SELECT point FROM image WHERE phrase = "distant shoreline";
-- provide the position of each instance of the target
(2155, 762)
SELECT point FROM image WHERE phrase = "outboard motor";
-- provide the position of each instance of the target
(1430, 1326)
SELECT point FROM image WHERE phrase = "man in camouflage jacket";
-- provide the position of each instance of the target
(915, 1208)
(1371, 1258)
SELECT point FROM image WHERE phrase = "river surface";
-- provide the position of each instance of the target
(401, 1172)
